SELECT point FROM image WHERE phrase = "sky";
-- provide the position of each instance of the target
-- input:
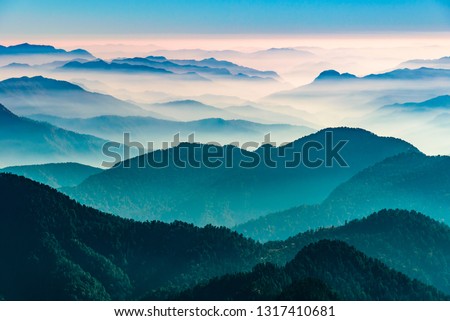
(19, 18)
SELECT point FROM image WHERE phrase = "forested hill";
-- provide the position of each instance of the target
(52, 248)
(327, 270)
(409, 242)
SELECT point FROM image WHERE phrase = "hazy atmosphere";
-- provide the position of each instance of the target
(224, 150)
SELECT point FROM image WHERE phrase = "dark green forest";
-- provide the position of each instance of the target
(56, 249)
(326, 270)
(407, 241)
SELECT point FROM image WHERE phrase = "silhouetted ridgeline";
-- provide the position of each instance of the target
(229, 195)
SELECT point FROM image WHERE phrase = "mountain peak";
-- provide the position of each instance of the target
(185, 102)
(17, 65)
(26, 44)
(156, 58)
(334, 75)
(281, 49)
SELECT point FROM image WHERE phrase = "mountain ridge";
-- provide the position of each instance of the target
(326, 270)
(231, 193)
(401, 239)
(146, 129)
(55, 175)
(29, 49)
(31, 95)
(24, 141)
(419, 182)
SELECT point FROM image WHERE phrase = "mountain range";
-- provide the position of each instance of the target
(196, 70)
(39, 95)
(333, 91)
(404, 74)
(278, 115)
(440, 63)
(206, 67)
(411, 181)
(335, 214)
(236, 190)
(101, 65)
(190, 110)
(29, 49)
(25, 141)
(157, 131)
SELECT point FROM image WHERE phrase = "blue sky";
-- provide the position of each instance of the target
(59, 17)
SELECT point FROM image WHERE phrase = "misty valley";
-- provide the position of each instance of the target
(237, 174)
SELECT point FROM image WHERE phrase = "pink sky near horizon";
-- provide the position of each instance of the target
(240, 42)
(357, 53)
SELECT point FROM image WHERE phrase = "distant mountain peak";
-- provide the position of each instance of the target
(156, 58)
(334, 75)
(80, 51)
(190, 102)
(281, 49)
(26, 44)
(17, 65)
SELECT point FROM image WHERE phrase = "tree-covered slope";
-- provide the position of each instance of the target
(409, 242)
(326, 270)
(52, 248)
